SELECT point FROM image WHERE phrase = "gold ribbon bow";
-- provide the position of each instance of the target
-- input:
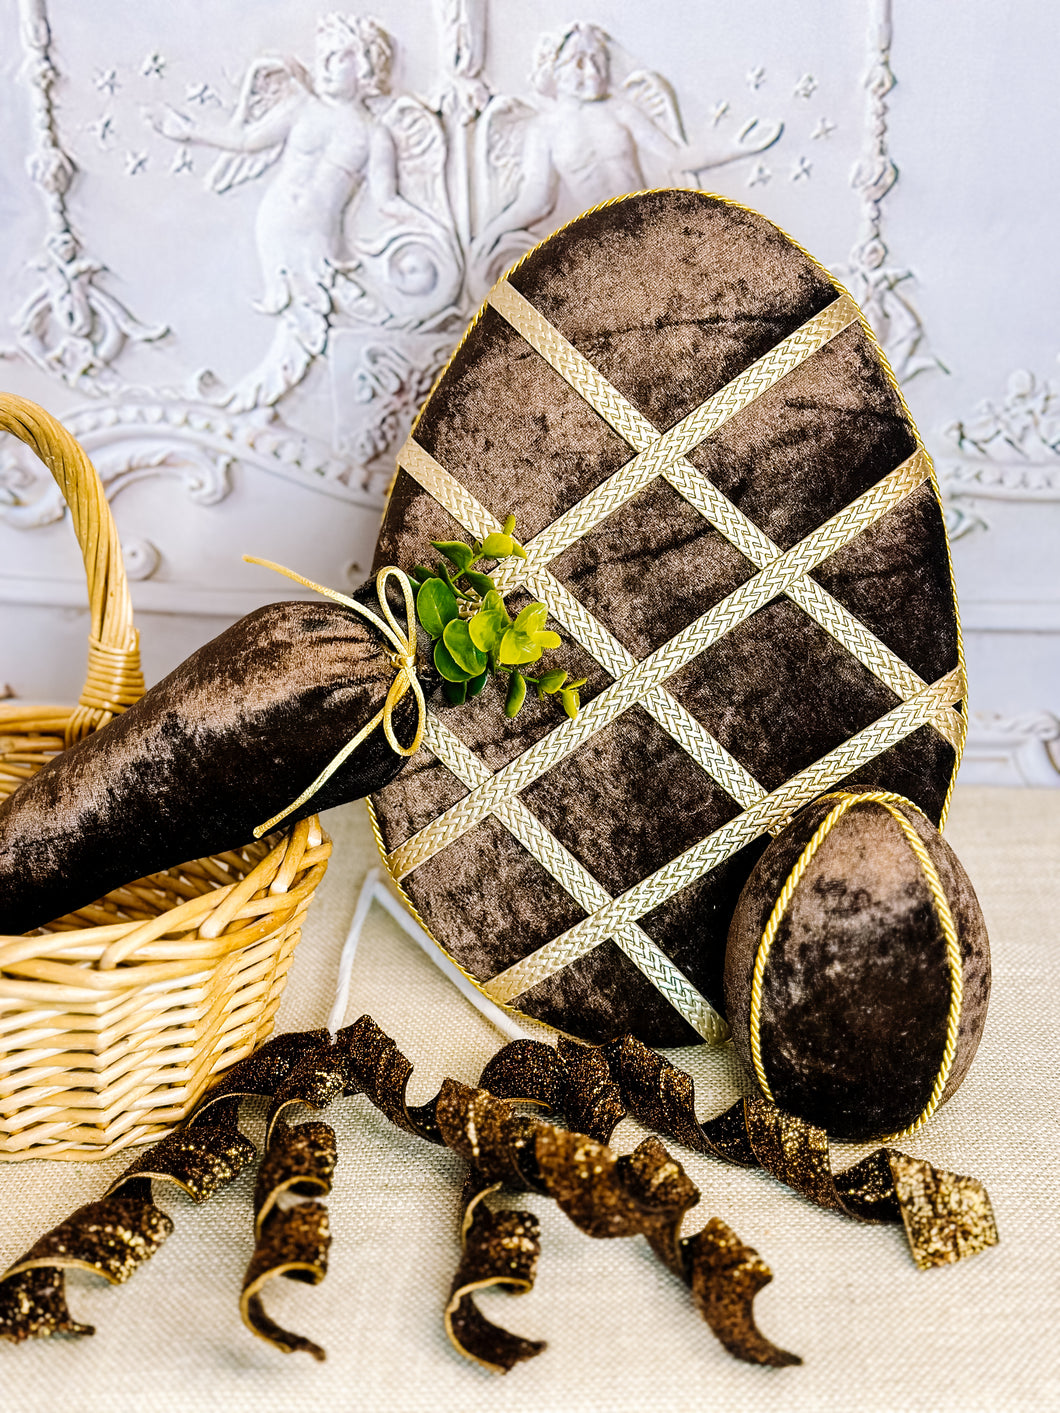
(403, 642)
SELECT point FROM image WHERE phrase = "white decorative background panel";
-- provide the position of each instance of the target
(240, 238)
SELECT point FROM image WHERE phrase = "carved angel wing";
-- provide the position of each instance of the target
(657, 101)
(407, 248)
(420, 144)
(267, 82)
(499, 144)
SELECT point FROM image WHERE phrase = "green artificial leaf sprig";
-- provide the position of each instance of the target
(475, 637)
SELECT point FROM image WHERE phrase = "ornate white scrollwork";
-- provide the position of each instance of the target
(883, 289)
(1015, 750)
(69, 325)
(123, 452)
(329, 137)
(193, 443)
(587, 137)
(464, 91)
(376, 382)
(1025, 424)
(382, 219)
(1009, 451)
(141, 558)
(378, 217)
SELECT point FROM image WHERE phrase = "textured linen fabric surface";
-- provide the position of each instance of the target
(873, 1330)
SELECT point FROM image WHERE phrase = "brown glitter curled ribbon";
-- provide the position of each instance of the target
(644, 1193)
(115, 1236)
(946, 1217)
(647, 1192)
(300, 1160)
(293, 1241)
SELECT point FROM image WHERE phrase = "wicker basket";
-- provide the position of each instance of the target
(114, 1019)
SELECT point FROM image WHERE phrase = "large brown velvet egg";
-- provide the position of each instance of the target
(856, 986)
(733, 526)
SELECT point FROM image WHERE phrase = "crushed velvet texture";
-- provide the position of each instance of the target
(227, 740)
(856, 989)
(670, 295)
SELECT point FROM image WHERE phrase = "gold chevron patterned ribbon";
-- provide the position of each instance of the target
(653, 670)
(654, 890)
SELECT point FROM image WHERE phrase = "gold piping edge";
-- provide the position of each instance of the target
(847, 800)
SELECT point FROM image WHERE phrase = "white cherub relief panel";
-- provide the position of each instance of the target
(354, 226)
(298, 148)
(243, 237)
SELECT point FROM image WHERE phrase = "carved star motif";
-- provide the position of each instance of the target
(760, 176)
(182, 162)
(718, 112)
(806, 86)
(756, 77)
(107, 80)
(802, 170)
(200, 93)
(823, 129)
(103, 128)
(135, 163)
(153, 65)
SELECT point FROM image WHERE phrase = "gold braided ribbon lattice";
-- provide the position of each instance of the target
(644, 682)
(846, 800)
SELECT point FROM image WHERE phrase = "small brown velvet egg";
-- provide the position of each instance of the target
(856, 985)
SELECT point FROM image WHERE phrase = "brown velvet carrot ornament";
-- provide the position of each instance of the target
(285, 699)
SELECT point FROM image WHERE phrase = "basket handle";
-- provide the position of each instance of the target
(114, 679)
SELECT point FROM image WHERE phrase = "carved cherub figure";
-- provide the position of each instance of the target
(883, 292)
(588, 139)
(335, 139)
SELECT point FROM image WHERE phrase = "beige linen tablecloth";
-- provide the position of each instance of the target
(875, 1333)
